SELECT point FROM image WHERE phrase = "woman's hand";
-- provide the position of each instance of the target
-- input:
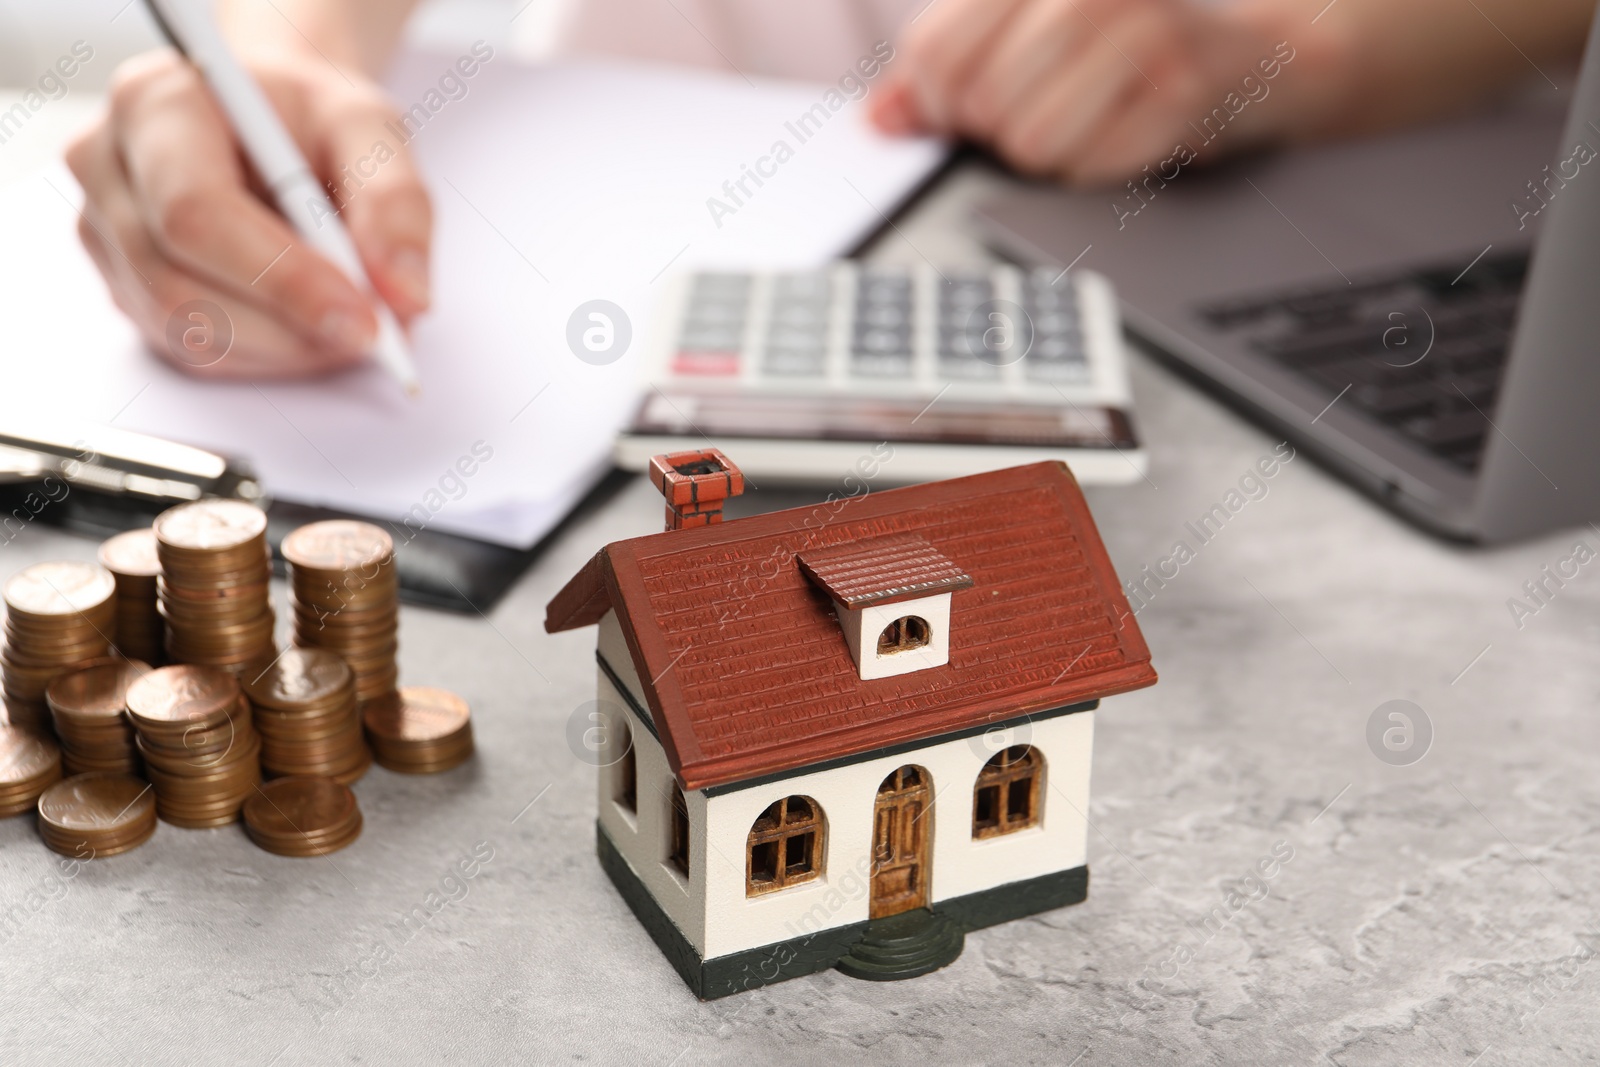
(1081, 90)
(172, 215)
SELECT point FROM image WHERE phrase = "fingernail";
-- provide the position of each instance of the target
(346, 331)
(893, 114)
(408, 269)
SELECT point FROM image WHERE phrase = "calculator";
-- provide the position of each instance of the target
(934, 372)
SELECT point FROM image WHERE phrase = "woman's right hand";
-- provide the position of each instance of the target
(172, 215)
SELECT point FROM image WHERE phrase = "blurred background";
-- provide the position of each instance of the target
(33, 33)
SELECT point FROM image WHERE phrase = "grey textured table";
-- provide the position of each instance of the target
(1440, 912)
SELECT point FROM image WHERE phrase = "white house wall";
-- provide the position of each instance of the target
(960, 864)
(862, 626)
(642, 838)
(613, 648)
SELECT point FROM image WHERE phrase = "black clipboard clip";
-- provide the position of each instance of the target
(98, 480)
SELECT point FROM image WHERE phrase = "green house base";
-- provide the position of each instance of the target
(753, 968)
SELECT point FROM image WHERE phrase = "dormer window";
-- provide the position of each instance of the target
(891, 596)
(904, 634)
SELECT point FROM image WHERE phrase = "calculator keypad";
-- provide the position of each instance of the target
(714, 321)
(797, 325)
(881, 336)
(963, 301)
(925, 328)
(1058, 352)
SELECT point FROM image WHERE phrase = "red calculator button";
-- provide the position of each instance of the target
(706, 364)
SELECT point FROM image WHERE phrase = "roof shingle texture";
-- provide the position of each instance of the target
(882, 571)
(747, 672)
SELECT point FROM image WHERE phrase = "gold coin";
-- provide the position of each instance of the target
(210, 525)
(51, 590)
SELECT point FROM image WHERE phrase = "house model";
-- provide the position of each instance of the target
(846, 736)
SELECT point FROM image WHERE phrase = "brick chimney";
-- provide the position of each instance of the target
(695, 485)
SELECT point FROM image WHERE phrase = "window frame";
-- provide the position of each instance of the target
(784, 828)
(625, 774)
(678, 833)
(905, 639)
(1012, 766)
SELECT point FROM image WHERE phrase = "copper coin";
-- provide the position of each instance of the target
(341, 618)
(198, 822)
(65, 588)
(330, 761)
(210, 525)
(347, 599)
(131, 554)
(417, 714)
(438, 766)
(95, 846)
(300, 810)
(26, 715)
(338, 545)
(25, 757)
(29, 763)
(301, 678)
(95, 694)
(97, 804)
(319, 848)
(76, 626)
(233, 728)
(72, 763)
(252, 590)
(182, 694)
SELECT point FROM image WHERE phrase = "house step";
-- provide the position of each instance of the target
(903, 946)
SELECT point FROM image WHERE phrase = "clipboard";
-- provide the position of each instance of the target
(98, 481)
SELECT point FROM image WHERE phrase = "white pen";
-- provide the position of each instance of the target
(192, 28)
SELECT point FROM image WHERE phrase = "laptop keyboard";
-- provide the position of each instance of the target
(1421, 351)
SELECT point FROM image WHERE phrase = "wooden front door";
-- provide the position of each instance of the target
(900, 858)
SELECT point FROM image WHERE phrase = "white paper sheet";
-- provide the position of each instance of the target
(552, 186)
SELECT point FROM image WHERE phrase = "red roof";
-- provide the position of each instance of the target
(746, 670)
(884, 570)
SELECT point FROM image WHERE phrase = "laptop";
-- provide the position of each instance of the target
(1421, 311)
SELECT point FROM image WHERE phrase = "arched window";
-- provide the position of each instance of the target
(627, 770)
(908, 632)
(1009, 792)
(678, 841)
(785, 845)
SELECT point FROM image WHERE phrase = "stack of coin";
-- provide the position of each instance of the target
(97, 815)
(58, 615)
(347, 598)
(419, 730)
(30, 763)
(199, 748)
(302, 816)
(131, 558)
(88, 707)
(306, 713)
(213, 586)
